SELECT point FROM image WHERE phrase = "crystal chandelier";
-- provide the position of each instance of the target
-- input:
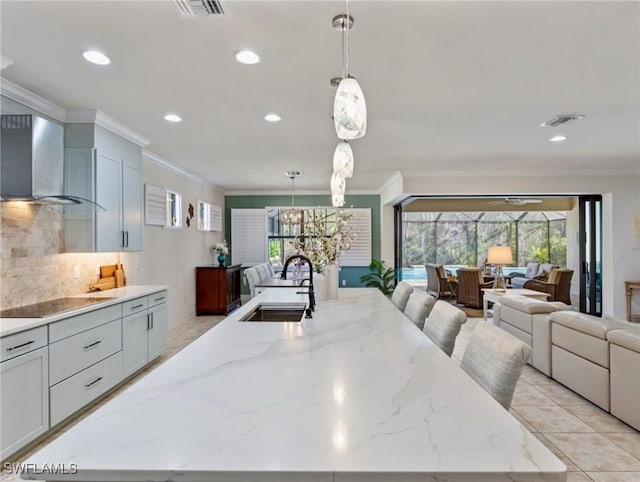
(292, 215)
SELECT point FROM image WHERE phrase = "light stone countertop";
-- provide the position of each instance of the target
(9, 326)
(357, 393)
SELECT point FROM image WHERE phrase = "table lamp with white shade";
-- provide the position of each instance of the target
(499, 256)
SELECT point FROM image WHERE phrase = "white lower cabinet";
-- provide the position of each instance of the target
(144, 333)
(24, 399)
(75, 392)
(50, 372)
(134, 342)
(158, 331)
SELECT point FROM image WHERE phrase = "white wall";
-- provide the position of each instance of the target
(171, 255)
(621, 205)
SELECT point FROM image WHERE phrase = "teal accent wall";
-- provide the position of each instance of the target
(350, 274)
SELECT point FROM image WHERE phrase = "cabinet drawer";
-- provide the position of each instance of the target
(74, 393)
(70, 326)
(23, 342)
(133, 306)
(80, 351)
(157, 298)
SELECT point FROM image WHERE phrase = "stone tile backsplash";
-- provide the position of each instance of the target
(33, 265)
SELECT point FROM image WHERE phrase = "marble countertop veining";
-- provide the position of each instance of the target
(357, 393)
(9, 326)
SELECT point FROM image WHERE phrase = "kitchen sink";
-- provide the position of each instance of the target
(286, 313)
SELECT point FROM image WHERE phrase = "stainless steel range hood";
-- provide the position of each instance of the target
(32, 160)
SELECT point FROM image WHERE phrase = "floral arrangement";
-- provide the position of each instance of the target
(220, 248)
(323, 241)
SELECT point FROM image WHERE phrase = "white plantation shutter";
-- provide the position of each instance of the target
(360, 252)
(216, 217)
(155, 205)
(248, 236)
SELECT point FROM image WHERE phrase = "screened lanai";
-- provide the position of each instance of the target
(457, 239)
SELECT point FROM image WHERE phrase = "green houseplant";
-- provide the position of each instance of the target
(379, 277)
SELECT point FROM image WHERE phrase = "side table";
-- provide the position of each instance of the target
(628, 288)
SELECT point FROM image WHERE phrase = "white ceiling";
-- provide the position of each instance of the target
(450, 86)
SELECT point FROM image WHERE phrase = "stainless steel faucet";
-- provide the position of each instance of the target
(312, 296)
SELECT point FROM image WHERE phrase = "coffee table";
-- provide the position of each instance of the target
(493, 296)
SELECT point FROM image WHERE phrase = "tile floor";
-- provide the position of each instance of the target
(595, 446)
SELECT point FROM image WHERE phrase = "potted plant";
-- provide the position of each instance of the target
(380, 277)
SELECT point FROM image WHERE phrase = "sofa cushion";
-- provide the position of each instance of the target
(532, 270)
(591, 325)
(628, 338)
(527, 305)
(544, 269)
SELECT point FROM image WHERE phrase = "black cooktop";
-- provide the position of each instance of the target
(47, 308)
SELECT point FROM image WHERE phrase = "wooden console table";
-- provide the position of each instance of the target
(217, 289)
(628, 288)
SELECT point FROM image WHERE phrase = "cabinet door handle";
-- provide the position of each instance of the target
(137, 306)
(91, 345)
(159, 299)
(122, 233)
(148, 321)
(23, 345)
(151, 314)
(90, 384)
(126, 235)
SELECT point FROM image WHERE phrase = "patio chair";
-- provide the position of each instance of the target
(470, 285)
(437, 282)
(558, 285)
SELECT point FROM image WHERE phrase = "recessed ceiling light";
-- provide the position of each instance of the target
(247, 57)
(173, 118)
(96, 57)
(558, 138)
(272, 117)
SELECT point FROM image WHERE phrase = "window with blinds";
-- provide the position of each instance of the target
(248, 236)
(360, 252)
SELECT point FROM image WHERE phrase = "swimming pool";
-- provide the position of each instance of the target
(419, 272)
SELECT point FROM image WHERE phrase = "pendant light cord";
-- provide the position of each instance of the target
(347, 42)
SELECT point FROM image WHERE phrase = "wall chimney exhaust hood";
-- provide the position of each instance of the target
(32, 161)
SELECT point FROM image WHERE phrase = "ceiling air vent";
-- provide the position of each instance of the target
(561, 119)
(197, 8)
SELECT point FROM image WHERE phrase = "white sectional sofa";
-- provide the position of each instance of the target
(528, 320)
(624, 367)
(598, 358)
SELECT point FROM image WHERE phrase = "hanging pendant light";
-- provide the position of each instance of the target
(337, 200)
(349, 106)
(343, 160)
(338, 184)
(293, 215)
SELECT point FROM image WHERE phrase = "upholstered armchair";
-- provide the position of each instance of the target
(470, 285)
(557, 285)
(437, 282)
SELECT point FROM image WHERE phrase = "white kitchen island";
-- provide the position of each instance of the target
(357, 393)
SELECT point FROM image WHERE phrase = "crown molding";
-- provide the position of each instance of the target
(31, 100)
(526, 173)
(397, 176)
(162, 162)
(5, 62)
(101, 119)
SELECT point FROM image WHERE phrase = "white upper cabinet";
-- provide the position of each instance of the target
(106, 169)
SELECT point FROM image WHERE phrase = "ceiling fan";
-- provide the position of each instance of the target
(516, 201)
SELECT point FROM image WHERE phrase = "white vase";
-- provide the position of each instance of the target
(320, 288)
(331, 273)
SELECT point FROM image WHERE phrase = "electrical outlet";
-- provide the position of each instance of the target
(344, 282)
(76, 271)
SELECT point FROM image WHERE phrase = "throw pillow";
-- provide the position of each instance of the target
(542, 275)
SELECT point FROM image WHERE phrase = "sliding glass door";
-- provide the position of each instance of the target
(590, 239)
